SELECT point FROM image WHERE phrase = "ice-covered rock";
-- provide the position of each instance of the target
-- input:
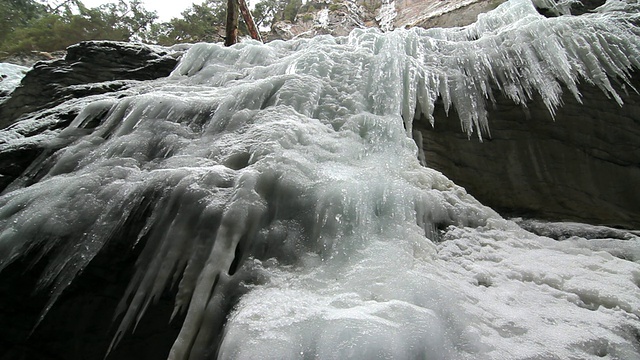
(337, 19)
(99, 64)
(386, 15)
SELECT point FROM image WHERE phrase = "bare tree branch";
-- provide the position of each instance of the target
(248, 19)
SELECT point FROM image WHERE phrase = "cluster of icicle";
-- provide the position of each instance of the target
(293, 151)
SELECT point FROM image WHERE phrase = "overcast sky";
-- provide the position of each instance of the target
(166, 9)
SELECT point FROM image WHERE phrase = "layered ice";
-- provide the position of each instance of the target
(276, 187)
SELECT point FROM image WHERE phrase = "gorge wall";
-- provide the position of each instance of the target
(583, 165)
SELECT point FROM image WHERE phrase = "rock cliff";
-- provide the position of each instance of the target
(90, 67)
(584, 165)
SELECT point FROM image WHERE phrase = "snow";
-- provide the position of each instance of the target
(10, 76)
(285, 175)
(386, 15)
(322, 18)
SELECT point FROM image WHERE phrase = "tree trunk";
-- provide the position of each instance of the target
(232, 23)
(248, 19)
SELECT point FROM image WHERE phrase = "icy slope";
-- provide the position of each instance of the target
(10, 76)
(274, 187)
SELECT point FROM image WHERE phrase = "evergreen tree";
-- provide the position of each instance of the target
(267, 12)
(54, 26)
(204, 22)
(291, 10)
(17, 14)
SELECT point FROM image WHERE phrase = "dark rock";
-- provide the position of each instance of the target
(50, 83)
(584, 166)
(82, 322)
(567, 230)
(577, 8)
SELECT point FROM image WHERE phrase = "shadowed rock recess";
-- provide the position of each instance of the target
(582, 166)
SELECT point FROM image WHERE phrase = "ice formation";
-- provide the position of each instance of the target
(276, 187)
(10, 76)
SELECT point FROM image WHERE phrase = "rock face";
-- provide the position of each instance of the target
(441, 13)
(337, 19)
(584, 166)
(80, 324)
(89, 62)
(89, 68)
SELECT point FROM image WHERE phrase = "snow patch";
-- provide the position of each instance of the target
(10, 76)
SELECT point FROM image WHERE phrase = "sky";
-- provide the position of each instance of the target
(166, 9)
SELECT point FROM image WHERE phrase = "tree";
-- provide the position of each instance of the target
(291, 10)
(267, 12)
(248, 20)
(17, 14)
(58, 25)
(204, 22)
(231, 28)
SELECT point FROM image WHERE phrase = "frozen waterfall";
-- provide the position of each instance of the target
(277, 190)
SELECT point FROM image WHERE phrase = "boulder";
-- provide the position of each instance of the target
(100, 63)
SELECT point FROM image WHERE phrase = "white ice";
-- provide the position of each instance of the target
(386, 15)
(10, 76)
(285, 172)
